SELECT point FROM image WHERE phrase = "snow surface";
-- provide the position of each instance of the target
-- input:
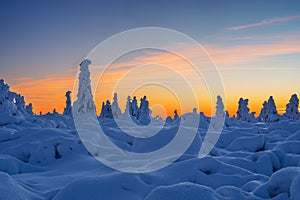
(43, 158)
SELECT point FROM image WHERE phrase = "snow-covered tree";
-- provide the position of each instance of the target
(220, 107)
(144, 112)
(291, 111)
(116, 111)
(128, 107)
(243, 111)
(7, 102)
(106, 111)
(68, 108)
(84, 102)
(271, 106)
(12, 106)
(19, 101)
(263, 112)
(134, 107)
(268, 112)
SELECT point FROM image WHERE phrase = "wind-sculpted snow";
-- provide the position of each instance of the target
(45, 159)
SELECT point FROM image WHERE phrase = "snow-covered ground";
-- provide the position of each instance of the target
(42, 157)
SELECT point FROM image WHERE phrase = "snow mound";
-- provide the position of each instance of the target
(124, 186)
(14, 190)
(280, 184)
(182, 191)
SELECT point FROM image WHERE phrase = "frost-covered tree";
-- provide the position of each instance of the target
(12, 105)
(263, 112)
(84, 102)
(68, 108)
(19, 101)
(116, 111)
(291, 111)
(144, 112)
(128, 106)
(106, 111)
(271, 106)
(243, 111)
(134, 107)
(268, 112)
(220, 107)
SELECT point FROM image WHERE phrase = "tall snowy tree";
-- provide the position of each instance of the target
(292, 111)
(116, 111)
(128, 107)
(271, 106)
(84, 102)
(68, 108)
(220, 107)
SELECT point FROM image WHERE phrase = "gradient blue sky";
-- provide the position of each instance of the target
(49, 38)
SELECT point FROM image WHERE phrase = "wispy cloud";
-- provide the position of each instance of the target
(265, 22)
(46, 93)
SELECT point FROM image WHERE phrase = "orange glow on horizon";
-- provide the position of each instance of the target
(49, 93)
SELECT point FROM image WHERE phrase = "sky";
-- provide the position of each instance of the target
(254, 44)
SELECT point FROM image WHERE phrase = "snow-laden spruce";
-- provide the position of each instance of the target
(12, 106)
(243, 112)
(134, 109)
(84, 102)
(268, 112)
(68, 108)
(144, 113)
(116, 111)
(292, 111)
(220, 112)
(106, 111)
